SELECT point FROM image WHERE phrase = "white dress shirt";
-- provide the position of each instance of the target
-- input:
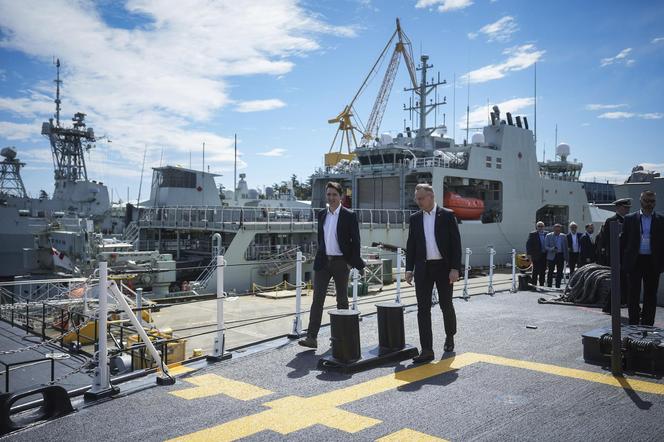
(330, 232)
(646, 223)
(575, 243)
(429, 221)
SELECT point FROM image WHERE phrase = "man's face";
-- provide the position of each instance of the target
(424, 199)
(556, 230)
(540, 227)
(590, 229)
(573, 228)
(622, 210)
(333, 197)
(648, 203)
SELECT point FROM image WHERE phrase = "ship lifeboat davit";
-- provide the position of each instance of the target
(463, 208)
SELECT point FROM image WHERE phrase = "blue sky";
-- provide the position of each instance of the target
(170, 75)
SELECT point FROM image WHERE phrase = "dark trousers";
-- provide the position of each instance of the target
(437, 272)
(558, 262)
(539, 269)
(573, 259)
(336, 268)
(645, 272)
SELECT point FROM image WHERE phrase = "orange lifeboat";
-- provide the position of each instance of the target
(463, 208)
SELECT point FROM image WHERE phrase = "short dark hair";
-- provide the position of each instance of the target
(589, 225)
(334, 185)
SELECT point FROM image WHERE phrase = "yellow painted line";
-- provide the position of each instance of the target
(294, 413)
(178, 369)
(600, 378)
(212, 385)
(410, 436)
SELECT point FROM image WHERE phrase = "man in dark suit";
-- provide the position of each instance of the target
(573, 246)
(642, 245)
(338, 252)
(603, 248)
(537, 253)
(433, 256)
(557, 255)
(587, 248)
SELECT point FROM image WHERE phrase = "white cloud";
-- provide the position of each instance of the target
(479, 116)
(472, 35)
(154, 84)
(625, 115)
(519, 58)
(273, 153)
(585, 124)
(657, 40)
(444, 5)
(500, 30)
(259, 105)
(595, 107)
(620, 58)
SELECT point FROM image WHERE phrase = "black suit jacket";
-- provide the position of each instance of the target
(534, 246)
(448, 240)
(348, 235)
(569, 240)
(586, 249)
(603, 240)
(630, 241)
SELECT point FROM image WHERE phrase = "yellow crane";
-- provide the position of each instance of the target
(346, 128)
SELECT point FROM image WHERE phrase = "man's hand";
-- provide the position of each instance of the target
(409, 278)
(454, 276)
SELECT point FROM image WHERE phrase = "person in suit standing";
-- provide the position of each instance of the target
(338, 252)
(537, 253)
(433, 256)
(556, 255)
(642, 245)
(573, 246)
(586, 246)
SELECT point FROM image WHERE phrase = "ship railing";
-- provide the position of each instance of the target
(280, 262)
(42, 290)
(448, 160)
(258, 252)
(207, 274)
(131, 233)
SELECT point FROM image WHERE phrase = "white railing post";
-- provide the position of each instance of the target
(139, 305)
(219, 340)
(101, 386)
(492, 253)
(466, 296)
(513, 289)
(356, 277)
(398, 297)
(297, 321)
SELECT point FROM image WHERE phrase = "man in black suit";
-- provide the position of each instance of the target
(537, 253)
(642, 245)
(603, 248)
(433, 256)
(587, 248)
(573, 245)
(338, 252)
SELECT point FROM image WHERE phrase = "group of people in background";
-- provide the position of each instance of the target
(641, 254)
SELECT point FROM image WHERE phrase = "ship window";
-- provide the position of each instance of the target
(499, 163)
(488, 159)
(488, 164)
(176, 178)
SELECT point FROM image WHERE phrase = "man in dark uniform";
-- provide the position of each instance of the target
(433, 256)
(587, 248)
(338, 252)
(537, 253)
(603, 247)
(642, 245)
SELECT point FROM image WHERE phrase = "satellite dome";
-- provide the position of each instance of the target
(477, 138)
(563, 150)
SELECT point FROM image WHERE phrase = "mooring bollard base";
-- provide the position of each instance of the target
(370, 358)
(96, 395)
(165, 380)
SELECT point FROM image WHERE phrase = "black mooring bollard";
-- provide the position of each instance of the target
(524, 280)
(345, 331)
(391, 336)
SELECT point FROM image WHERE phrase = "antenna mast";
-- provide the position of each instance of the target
(535, 107)
(57, 82)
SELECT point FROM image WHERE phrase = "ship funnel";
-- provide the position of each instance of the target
(509, 119)
(496, 111)
(518, 121)
(525, 122)
(493, 118)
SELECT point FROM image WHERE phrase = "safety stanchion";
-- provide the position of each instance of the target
(101, 386)
(397, 299)
(466, 269)
(297, 321)
(218, 353)
(139, 305)
(513, 289)
(356, 277)
(492, 253)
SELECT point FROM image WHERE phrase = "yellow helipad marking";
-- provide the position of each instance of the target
(212, 384)
(410, 436)
(178, 369)
(294, 413)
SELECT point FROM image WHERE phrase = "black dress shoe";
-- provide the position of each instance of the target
(449, 343)
(308, 342)
(424, 356)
